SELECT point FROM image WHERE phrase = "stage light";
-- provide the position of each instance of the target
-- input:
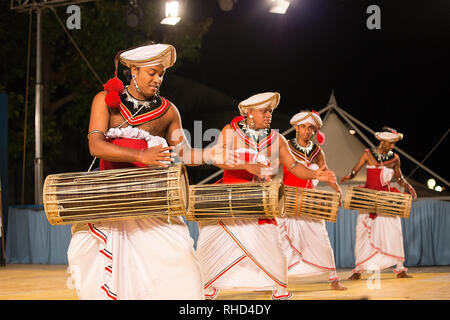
(172, 13)
(431, 183)
(352, 131)
(438, 188)
(226, 5)
(279, 6)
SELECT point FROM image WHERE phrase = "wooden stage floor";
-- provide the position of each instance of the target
(52, 282)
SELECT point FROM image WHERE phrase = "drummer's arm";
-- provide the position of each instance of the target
(356, 168)
(99, 147)
(175, 137)
(298, 169)
(220, 153)
(401, 180)
(321, 162)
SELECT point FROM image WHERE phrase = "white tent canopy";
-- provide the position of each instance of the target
(342, 149)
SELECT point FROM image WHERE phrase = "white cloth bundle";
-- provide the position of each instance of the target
(136, 133)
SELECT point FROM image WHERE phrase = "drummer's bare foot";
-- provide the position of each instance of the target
(355, 276)
(403, 274)
(336, 285)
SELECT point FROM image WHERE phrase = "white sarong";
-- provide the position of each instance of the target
(145, 258)
(241, 254)
(378, 242)
(307, 247)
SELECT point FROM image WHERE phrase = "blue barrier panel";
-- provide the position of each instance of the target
(31, 239)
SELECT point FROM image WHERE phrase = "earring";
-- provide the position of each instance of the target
(251, 121)
(136, 85)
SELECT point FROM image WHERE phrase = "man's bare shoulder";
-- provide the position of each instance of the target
(366, 154)
(99, 98)
(172, 112)
(100, 95)
(282, 139)
(98, 102)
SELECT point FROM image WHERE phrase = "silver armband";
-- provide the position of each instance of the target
(292, 167)
(95, 131)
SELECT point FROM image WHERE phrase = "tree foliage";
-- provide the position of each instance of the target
(69, 83)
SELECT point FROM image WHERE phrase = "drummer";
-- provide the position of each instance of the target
(306, 243)
(379, 240)
(246, 254)
(145, 258)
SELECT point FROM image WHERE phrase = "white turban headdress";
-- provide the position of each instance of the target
(150, 55)
(389, 134)
(260, 100)
(311, 117)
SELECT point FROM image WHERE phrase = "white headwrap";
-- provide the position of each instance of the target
(391, 136)
(311, 117)
(260, 100)
(150, 55)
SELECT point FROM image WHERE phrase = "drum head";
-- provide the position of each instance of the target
(281, 204)
(184, 187)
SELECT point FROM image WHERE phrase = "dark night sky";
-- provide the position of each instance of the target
(397, 76)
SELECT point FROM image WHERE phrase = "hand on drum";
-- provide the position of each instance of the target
(258, 169)
(154, 156)
(340, 198)
(324, 174)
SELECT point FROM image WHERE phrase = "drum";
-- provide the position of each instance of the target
(117, 194)
(310, 203)
(380, 202)
(242, 200)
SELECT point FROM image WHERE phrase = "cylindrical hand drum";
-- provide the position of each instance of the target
(243, 200)
(116, 194)
(380, 202)
(310, 203)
